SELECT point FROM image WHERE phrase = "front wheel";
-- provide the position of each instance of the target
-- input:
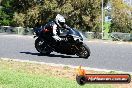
(83, 51)
(42, 47)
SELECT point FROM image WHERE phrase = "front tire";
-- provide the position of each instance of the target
(83, 51)
(42, 47)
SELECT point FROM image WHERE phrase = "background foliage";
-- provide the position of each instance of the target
(81, 14)
(121, 17)
(6, 14)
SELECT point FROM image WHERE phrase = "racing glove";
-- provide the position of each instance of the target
(57, 38)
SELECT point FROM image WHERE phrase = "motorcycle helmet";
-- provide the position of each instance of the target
(60, 20)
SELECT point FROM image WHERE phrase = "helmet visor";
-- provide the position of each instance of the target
(61, 23)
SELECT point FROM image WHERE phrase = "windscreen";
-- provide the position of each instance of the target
(74, 32)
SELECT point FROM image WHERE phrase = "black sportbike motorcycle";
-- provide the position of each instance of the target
(72, 43)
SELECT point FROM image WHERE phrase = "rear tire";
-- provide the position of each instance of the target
(83, 51)
(42, 47)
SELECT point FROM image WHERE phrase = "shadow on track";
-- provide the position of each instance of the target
(51, 55)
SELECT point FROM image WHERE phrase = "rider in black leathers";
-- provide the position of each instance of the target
(52, 29)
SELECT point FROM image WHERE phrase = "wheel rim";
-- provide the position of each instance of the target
(83, 51)
(40, 47)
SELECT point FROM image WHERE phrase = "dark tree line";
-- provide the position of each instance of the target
(82, 14)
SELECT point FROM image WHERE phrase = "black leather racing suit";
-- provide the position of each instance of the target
(52, 31)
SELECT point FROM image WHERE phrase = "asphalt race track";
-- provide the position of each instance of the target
(111, 56)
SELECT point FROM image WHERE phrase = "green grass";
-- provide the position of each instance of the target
(13, 79)
(10, 77)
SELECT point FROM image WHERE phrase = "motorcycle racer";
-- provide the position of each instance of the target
(52, 29)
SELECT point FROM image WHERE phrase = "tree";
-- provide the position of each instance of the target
(21, 6)
(121, 17)
(6, 14)
(84, 13)
(81, 14)
(19, 19)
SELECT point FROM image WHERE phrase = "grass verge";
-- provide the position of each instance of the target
(27, 75)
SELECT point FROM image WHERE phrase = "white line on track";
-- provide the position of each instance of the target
(63, 65)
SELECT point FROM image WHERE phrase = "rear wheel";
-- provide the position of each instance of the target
(83, 51)
(42, 47)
